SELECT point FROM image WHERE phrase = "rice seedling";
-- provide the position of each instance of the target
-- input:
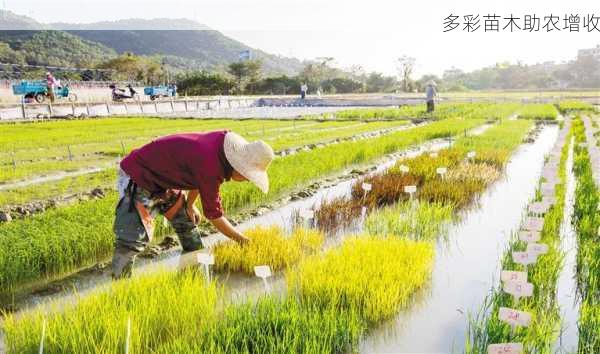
(482, 172)
(538, 111)
(338, 212)
(420, 221)
(486, 327)
(586, 220)
(387, 188)
(374, 276)
(268, 246)
(273, 325)
(570, 106)
(159, 305)
(448, 192)
(180, 313)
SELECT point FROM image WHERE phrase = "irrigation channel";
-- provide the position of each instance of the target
(437, 320)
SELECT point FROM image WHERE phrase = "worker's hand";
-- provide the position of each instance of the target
(193, 213)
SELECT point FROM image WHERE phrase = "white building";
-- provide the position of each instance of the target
(595, 52)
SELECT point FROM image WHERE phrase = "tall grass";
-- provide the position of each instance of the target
(371, 275)
(268, 246)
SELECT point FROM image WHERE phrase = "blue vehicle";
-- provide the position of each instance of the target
(160, 91)
(38, 91)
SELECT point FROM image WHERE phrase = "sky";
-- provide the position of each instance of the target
(369, 33)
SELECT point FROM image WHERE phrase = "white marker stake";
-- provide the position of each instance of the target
(537, 249)
(509, 275)
(518, 289)
(403, 168)
(206, 259)
(307, 214)
(43, 337)
(539, 208)
(128, 335)
(529, 236)
(505, 348)
(263, 272)
(410, 190)
(471, 155)
(534, 224)
(514, 317)
(524, 258)
(367, 187)
(441, 171)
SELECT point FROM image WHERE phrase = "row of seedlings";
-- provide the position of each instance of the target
(522, 315)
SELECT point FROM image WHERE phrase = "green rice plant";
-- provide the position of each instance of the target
(273, 325)
(569, 106)
(180, 313)
(586, 220)
(588, 324)
(538, 111)
(374, 276)
(50, 245)
(420, 221)
(448, 192)
(62, 151)
(159, 306)
(67, 239)
(267, 246)
(486, 328)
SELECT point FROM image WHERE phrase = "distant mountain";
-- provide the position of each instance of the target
(184, 44)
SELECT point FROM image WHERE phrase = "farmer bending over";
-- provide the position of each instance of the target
(167, 175)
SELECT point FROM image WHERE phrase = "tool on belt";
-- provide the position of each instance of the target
(174, 198)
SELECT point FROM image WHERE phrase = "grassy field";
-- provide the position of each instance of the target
(29, 150)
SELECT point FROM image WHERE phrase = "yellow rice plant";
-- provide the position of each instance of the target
(374, 276)
(479, 171)
(268, 246)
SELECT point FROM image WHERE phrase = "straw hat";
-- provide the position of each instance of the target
(251, 160)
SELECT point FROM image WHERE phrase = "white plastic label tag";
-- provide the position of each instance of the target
(505, 348)
(410, 189)
(514, 317)
(403, 168)
(529, 236)
(471, 154)
(442, 170)
(206, 258)
(524, 258)
(518, 289)
(534, 224)
(263, 271)
(307, 214)
(539, 208)
(537, 248)
(510, 275)
(367, 187)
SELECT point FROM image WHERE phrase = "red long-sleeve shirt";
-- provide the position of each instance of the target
(183, 161)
